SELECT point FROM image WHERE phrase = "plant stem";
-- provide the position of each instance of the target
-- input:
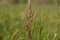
(29, 17)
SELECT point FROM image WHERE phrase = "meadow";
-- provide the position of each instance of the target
(45, 26)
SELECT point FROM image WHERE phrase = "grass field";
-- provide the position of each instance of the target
(46, 24)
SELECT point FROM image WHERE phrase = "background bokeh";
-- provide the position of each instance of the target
(46, 21)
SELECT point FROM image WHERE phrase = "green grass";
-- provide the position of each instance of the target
(46, 24)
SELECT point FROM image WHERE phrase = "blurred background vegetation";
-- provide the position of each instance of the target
(34, 1)
(46, 24)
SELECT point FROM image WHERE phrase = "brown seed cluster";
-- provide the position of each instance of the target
(29, 17)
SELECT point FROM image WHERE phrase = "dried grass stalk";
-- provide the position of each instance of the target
(14, 34)
(29, 16)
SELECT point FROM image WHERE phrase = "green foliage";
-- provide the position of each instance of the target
(46, 24)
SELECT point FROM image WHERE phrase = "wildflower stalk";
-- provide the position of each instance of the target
(29, 19)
